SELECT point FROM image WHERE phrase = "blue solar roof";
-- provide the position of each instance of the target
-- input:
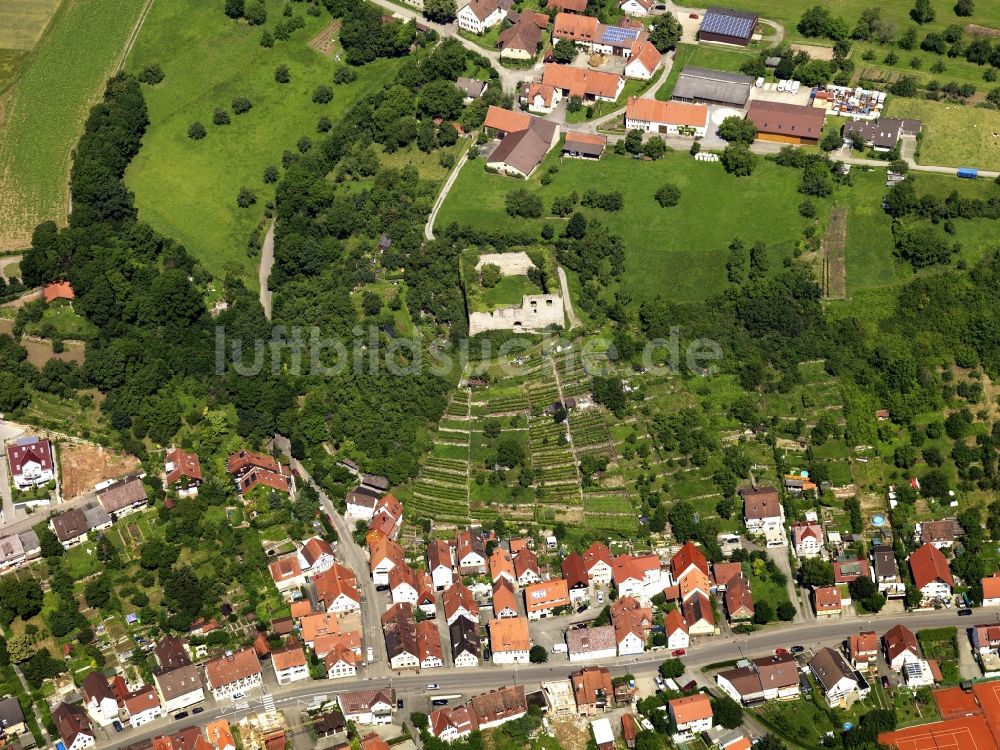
(728, 22)
(617, 34)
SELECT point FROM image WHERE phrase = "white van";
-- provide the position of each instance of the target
(559, 648)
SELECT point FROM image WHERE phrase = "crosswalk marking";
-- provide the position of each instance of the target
(267, 701)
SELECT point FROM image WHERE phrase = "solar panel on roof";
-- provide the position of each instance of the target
(720, 23)
(618, 34)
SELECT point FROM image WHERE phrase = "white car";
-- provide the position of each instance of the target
(600, 597)
(432, 686)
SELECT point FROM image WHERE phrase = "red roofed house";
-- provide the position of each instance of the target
(522, 40)
(502, 565)
(689, 571)
(632, 623)
(99, 699)
(286, 572)
(249, 469)
(739, 600)
(289, 664)
(991, 590)
(807, 539)
(504, 601)
(544, 599)
(723, 573)
(219, 735)
(183, 472)
(440, 564)
(598, 560)
(931, 573)
(671, 118)
(762, 510)
(569, 6)
(846, 571)
(384, 555)
(74, 726)
(826, 601)
(388, 516)
(30, 462)
(692, 715)
(526, 568)
(645, 60)
(698, 614)
(900, 647)
(863, 649)
(560, 81)
(58, 290)
(459, 602)
(143, 706)
(677, 630)
(233, 673)
(637, 576)
(316, 556)
(337, 589)
(575, 573)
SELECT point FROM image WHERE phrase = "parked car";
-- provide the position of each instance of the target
(600, 597)
(439, 702)
(432, 686)
(399, 704)
(885, 682)
(181, 715)
(197, 709)
(798, 649)
(781, 652)
(689, 687)
(117, 725)
(581, 609)
(964, 612)
(678, 652)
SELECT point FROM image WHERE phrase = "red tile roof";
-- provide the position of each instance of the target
(58, 290)
(185, 464)
(929, 564)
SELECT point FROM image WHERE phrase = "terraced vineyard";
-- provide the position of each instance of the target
(442, 490)
(460, 481)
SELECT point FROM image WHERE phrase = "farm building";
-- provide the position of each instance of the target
(727, 26)
(584, 145)
(707, 86)
(673, 118)
(523, 149)
(882, 134)
(786, 123)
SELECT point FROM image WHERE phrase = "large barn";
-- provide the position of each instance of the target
(727, 26)
(786, 123)
(706, 86)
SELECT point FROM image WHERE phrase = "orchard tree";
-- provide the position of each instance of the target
(668, 195)
(922, 12)
(736, 129)
(739, 160)
(196, 131)
(440, 11)
(666, 32)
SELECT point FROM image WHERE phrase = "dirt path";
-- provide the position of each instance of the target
(834, 255)
(439, 201)
(574, 321)
(264, 271)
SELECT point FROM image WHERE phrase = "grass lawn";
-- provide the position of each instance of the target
(953, 135)
(679, 252)
(60, 320)
(716, 58)
(508, 292)
(47, 107)
(187, 189)
(869, 251)
(788, 12)
(942, 644)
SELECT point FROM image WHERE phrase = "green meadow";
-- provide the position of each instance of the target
(187, 189)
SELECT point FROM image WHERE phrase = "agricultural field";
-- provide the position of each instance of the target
(44, 112)
(187, 189)
(513, 413)
(953, 135)
(677, 252)
(788, 13)
(22, 25)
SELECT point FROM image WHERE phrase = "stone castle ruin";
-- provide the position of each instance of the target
(536, 312)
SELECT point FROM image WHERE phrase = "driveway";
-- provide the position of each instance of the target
(779, 556)
(264, 271)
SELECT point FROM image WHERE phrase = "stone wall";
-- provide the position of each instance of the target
(537, 312)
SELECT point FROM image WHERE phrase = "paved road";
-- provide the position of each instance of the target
(264, 270)
(356, 559)
(445, 189)
(468, 682)
(9, 514)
